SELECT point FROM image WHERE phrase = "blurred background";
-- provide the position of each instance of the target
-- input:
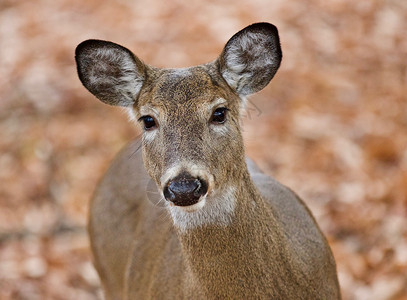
(332, 125)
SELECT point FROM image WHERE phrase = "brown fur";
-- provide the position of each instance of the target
(272, 247)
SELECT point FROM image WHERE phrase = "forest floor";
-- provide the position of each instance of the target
(332, 125)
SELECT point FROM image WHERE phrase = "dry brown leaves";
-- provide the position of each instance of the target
(332, 125)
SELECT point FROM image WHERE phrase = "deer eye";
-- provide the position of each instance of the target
(149, 122)
(219, 115)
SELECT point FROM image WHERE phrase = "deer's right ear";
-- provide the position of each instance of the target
(110, 72)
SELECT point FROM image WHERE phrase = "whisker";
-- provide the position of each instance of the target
(139, 141)
(165, 215)
(161, 199)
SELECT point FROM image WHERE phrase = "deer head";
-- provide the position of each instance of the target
(192, 143)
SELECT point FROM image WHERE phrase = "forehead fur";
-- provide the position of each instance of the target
(179, 86)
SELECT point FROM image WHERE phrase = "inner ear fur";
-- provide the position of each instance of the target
(251, 58)
(110, 72)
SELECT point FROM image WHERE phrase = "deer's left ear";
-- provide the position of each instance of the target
(251, 58)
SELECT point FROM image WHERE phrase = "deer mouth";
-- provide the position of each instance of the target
(194, 207)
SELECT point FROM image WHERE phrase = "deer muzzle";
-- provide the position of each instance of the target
(185, 190)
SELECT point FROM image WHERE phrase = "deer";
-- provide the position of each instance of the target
(223, 229)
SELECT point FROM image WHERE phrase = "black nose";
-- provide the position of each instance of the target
(185, 190)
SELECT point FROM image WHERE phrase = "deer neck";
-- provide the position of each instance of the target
(246, 243)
